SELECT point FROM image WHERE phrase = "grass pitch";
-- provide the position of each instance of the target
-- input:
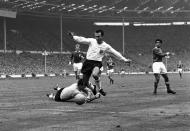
(128, 106)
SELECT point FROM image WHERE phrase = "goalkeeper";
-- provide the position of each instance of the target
(75, 92)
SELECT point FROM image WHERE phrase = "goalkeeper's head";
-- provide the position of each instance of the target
(80, 99)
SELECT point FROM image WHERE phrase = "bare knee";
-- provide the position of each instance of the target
(96, 73)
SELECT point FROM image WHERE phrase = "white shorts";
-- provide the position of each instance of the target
(122, 72)
(180, 70)
(77, 66)
(159, 67)
(110, 71)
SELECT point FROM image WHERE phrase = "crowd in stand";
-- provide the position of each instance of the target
(27, 63)
(28, 33)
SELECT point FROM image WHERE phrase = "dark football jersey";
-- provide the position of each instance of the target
(179, 65)
(110, 65)
(157, 54)
(77, 57)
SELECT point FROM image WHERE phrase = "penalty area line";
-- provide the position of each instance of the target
(60, 110)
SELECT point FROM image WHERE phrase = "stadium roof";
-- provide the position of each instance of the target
(104, 9)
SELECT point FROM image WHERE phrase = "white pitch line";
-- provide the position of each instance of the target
(59, 110)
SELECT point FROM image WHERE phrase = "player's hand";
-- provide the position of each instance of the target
(71, 34)
(168, 53)
(128, 60)
(70, 62)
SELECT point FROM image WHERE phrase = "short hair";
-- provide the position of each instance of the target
(158, 41)
(100, 31)
(80, 99)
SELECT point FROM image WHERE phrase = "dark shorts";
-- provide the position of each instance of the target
(87, 69)
(57, 95)
(89, 65)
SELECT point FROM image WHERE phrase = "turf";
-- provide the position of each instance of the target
(128, 106)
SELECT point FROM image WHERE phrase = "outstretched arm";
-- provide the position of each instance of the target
(79, 39)
(118, 55)
(159, 53)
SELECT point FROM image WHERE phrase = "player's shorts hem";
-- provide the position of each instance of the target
(77, 66)
(57, 96)
(159, 68)
(89, 65)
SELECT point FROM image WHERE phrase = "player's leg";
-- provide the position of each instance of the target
(75, 70)
(166, 79)
(55, 96)
(79, 70)
(111, 76)
(86, 71)
(156, 67)
(85, 79)
(96, 75)
(51, 96)
(156, 81)
(57, 87)
(77, 74)
(180, 73)
(94, 97)
(92, 88)
(108, 73)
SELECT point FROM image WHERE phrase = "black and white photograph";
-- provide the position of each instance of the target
(94, 65)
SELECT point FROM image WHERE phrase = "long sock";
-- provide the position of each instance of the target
(155, 87)
(180, 75)
(98, 84)
(168, 86)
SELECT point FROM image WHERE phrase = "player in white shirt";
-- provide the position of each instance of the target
(95, 53)
(75, 92)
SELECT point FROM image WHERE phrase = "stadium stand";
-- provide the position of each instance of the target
(28, 33)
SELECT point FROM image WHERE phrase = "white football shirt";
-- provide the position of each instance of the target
(97, 51)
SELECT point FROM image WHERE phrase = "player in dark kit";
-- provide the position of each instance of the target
(180, 69)
(76, 60)
(110, 69)
(159, 67)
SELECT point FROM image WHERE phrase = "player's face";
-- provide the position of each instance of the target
(98, 37)
(77, 48)
(110, 60)
(158, 44)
